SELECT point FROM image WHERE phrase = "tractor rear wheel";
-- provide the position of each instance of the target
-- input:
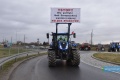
(76, 58)
(51, 58)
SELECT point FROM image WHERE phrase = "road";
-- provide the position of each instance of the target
(37, 69)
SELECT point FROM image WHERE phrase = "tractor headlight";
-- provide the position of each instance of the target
(60, 47)
(66, 46)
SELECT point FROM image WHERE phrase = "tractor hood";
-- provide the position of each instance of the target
(63, 45)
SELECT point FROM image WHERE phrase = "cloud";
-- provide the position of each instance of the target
(32, 18)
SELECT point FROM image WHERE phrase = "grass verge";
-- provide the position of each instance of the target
(9, 64)
(108, 57)
(4, 52)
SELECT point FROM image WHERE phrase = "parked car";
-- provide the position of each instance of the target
(85, 46)
(42, 47)
(27, 47)
(32, 46)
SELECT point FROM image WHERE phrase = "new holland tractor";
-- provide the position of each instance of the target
(114, 47)
(61, 48)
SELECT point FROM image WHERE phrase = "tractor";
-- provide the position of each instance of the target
(114, 47)
(85, 46)
(100, 47)
(61, 48)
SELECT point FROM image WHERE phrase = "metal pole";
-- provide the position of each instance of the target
(56, 29)
(69, 24)
(92, 37)
(16, 37)
(56, 50)
(68, 35)
(24, 40)
(11, 40)
(3, 39)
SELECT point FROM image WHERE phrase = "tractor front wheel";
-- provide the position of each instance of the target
(51, 58)
(76, 58)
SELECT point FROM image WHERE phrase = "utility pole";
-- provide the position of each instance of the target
(11, 40)
(3, 39)
(24, 40)
(38, 41)
(16, 37)
(92, 37)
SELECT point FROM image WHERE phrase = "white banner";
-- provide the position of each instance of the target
(65, 15)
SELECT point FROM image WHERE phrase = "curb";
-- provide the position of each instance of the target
(105, 60)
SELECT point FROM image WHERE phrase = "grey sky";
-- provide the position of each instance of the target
(32, 18)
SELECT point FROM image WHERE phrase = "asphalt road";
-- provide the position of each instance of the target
(37, 69)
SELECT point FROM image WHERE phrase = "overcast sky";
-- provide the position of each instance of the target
(32, 19)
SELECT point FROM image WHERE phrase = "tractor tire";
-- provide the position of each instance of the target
(86, 49)
(51, 58)
(76, 58)
(118, 49)
(109, 50)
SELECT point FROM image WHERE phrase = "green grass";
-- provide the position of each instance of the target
(10, 63)
(93, 48)
(108, 57)
(1, 46)
(4, 52)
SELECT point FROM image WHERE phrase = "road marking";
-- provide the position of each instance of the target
(96, 66)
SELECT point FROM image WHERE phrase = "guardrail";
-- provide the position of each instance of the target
(4, 60)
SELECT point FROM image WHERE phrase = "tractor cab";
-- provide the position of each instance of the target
(61, 38)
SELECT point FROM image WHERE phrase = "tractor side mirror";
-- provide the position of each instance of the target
(47, 35)
(74, 35)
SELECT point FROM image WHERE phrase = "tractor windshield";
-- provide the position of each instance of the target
(61, 37)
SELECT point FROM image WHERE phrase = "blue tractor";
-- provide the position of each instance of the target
(114, 46)
(62, 49)
(74, 45)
